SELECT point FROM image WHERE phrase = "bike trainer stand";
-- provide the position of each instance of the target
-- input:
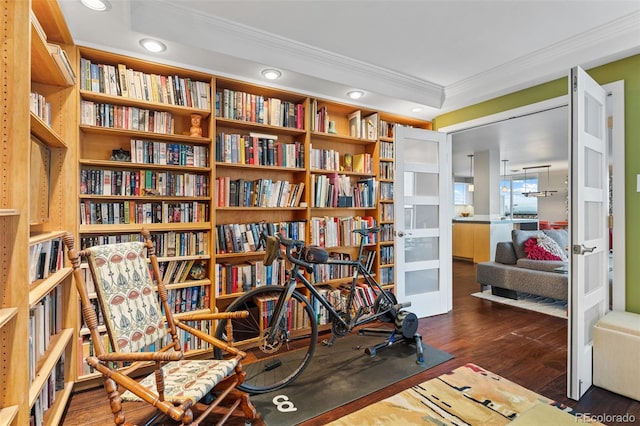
(406, 325)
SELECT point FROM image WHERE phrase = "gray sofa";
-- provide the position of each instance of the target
(512, 274)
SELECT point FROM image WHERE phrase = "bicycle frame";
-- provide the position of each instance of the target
(298, 275)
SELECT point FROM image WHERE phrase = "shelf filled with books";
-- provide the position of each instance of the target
(261, 162)
(344, 184)
(146, 159)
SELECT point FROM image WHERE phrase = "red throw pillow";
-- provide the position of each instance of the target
(536, 252)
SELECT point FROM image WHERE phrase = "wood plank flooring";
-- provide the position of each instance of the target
(523, 346)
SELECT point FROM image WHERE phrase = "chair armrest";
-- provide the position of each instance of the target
(141, 356)
(210, 339)
(210, 316)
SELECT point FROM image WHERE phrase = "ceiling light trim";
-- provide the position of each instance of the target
(615, 39)
(236, 39)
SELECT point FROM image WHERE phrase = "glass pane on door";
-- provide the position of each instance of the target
(422, 281)
(421, 249)
(420, 151)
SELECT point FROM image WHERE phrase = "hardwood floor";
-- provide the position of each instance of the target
(523, 346)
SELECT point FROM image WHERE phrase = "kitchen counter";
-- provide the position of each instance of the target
(475, 237)
(491, 220)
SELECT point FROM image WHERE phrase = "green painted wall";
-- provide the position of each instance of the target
(627, 69)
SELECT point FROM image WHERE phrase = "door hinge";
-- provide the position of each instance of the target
(575, 83)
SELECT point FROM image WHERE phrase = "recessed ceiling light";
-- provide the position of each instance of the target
(97, 5)
(355, 94)
(271, 74)
(153, 46)
(416, 109)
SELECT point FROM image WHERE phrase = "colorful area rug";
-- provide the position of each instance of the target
(468, 395)
(531, 302)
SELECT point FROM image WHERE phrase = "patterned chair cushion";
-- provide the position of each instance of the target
(124, 285)
(187, 379)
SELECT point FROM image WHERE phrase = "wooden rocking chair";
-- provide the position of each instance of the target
(134, 320)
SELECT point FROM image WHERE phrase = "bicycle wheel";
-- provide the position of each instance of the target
(279, 362)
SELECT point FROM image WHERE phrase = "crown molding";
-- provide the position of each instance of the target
(219, 35)
(614, 40)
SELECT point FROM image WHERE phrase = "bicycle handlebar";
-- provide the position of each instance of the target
(289, 244)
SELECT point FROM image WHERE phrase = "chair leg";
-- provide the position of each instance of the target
(246, 405)
(116, 403)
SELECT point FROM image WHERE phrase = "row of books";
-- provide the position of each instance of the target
(387, 255)
(386, 276)
(126, 212)
(323, 272)
(242, 277)
(387, 129)
(363, 300)
(39, 106)
(46, 398)
(62, 62)
(167, 244)
(387, 212)
(331, 295)
(258, 193)
(45, 258)
(179, 271)
(335, 191)
(126, 118)
(258, 149)
(319, 117)
(166, 153)
(118, 80)
(325, 159)
(245, 237)
(387, 169)
(387, 150)
(363, 127)
(45, 321)
(245, 106)
(387, 232)
(330, 159)
(295, 319)
(143, 182)
(188, 299)
(386, 191)
(332, 231)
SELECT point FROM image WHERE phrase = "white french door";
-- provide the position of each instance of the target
(588, 234)
(423, 220)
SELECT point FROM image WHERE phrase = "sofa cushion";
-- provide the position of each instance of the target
(520, 236)
(505, 253)
(547, 265)
(560, 236)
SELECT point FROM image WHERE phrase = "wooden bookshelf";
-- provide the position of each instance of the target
(168, 175)
(34, 206)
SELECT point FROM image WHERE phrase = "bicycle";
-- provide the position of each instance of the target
(287, 337)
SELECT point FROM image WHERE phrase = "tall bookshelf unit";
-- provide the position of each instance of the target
(38, 163)
(139, 165)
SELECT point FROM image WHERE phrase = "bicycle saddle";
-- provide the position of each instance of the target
(271, 250)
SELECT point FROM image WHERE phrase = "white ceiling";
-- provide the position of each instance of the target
(436, 54)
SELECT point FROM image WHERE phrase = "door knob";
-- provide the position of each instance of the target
(581, 249)
(400, 234)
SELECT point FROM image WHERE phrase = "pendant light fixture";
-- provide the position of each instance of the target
(471, 186)
(539, 193)
(504, 175)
